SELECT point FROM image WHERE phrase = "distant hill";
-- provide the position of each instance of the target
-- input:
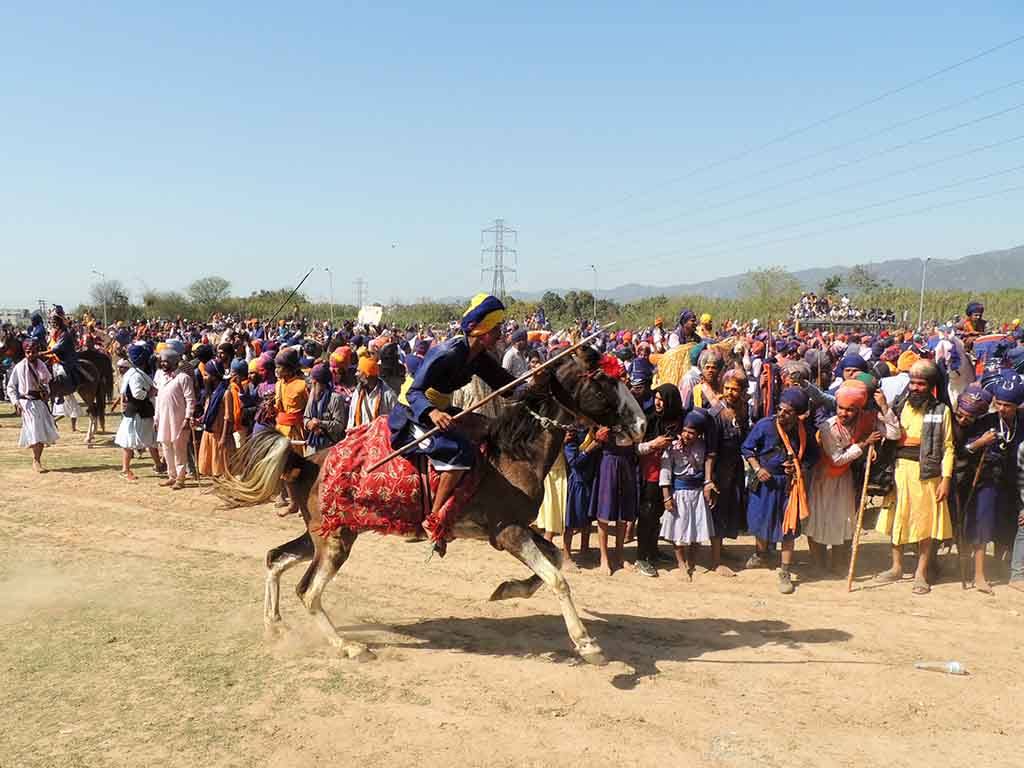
(987, 271)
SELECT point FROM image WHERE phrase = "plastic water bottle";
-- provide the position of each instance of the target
(949, 667)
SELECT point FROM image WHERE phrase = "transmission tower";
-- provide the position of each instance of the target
(498, 254)
(360, 288)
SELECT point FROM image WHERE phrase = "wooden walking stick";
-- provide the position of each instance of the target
(195, 446)
(962, 518)
(501, 390)
(860, 518)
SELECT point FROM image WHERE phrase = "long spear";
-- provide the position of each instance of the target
(294, 291)
(501, 390)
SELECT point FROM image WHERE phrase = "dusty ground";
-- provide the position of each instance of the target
(131, 634)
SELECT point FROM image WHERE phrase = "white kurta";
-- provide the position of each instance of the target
(36, 421)
(135, 432)
(175, 402)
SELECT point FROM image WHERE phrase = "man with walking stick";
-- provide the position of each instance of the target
(425, 402)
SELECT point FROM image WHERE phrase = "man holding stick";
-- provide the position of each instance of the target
(426, 401)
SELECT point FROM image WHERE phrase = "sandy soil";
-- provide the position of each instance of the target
(131, 634)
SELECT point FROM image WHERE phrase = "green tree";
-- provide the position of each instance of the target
(769, 286)
(830, 284)
(552, 304)
(209, 292)
(862, 280)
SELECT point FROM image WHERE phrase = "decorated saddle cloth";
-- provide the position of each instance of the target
(394, 498)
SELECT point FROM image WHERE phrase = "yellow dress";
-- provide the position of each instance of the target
(551, 516)
(911, 513)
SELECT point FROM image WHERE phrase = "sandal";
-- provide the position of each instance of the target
(888, 577)
(921, 587)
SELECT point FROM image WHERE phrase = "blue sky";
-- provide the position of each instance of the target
(164, 142)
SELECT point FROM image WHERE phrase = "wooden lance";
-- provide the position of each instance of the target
(860, 517)
(500, 391)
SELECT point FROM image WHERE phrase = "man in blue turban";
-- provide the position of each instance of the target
(426, 402)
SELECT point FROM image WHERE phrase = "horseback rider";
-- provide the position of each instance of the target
(426, 399)
(64, 350)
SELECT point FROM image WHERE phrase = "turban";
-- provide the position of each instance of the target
(796, 399)
(161, 346)
(925, 369)
(215, 368)
(975, 307)
(891, 354)
(642, 372)
(254, 366)
(734, 374)
(1008, 388)
(321, 373)
(368, 366)
(288, 358)
(36, 318)
(203, 353)
(798, 369)
(485, 313)
(705, 319)
(58, 313)
(138, 354)
(852, 394)
(122, 363)
(239, 367)
(340, 358)
(695, 352)
(974, 401)
(906, 361)
(711, 356)
(169, 355)
(627, 337)
(123, 336)
(30, 344)
(659, 321)
(696, 420)
(757, 348)
(853, 361)
(685, 316)
(265, 362)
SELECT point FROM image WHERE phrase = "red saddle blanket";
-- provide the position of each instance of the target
(394, 498)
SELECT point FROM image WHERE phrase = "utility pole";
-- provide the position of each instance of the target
(920, 307)
(103, 278)
(330, 280)
(359, 285)
(594, 267)
(498, 252)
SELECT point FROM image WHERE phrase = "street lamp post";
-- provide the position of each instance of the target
(594, 267)
(330, 280)
(920, 306)
(103, 278)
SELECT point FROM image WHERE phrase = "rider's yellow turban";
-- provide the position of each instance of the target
(485, 313)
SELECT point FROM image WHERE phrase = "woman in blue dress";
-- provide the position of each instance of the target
(582, 455)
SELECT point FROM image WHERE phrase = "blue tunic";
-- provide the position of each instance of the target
(581, 467)
(991, 516)
(66, 352)
(767, 505)
(446, 368)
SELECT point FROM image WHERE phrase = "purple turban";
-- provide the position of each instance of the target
(974, 401)
(796, 399)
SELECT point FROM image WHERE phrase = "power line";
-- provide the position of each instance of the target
(856, 224)
(785, 136)
(822, 171)
(499, 251)
(834, 190)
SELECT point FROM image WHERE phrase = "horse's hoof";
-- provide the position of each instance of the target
(500, 593)
(592, 654)
(359, 653)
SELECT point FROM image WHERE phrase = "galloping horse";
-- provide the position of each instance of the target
(523, 443)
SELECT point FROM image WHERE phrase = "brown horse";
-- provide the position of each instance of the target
(523, 442)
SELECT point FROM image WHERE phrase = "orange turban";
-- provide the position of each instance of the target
(906, 360)
(368, 366)
(852, 394)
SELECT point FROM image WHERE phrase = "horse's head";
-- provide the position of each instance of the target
(581, 386)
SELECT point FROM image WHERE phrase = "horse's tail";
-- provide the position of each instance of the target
(256, 470)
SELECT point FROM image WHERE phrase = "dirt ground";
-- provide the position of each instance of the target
(131, 634)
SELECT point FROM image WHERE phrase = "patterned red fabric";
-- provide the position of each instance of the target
(389, 499)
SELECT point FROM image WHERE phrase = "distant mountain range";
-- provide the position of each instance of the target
(989, 271)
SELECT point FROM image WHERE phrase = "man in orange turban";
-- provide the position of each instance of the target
(372, 397)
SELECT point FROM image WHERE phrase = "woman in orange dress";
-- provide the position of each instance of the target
(218, 443)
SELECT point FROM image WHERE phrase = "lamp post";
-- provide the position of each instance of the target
(920, 306)
(330, 280)
(594, 267)
(103, 278)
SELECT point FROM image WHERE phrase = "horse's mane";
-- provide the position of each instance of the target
(514, 432)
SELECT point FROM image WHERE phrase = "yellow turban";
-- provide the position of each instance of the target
(368, 366)
(906, 360)
(485, 313)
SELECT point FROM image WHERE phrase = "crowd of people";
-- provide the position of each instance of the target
(829, 307)
(757, 431)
